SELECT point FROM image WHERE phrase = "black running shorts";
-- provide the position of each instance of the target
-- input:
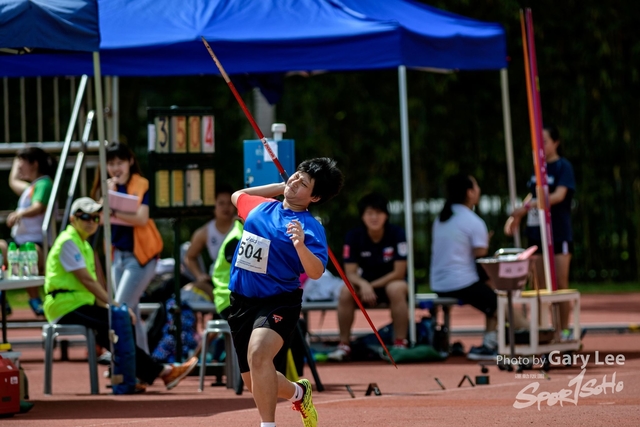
(559, 248)
(479, 295)
(279, 313)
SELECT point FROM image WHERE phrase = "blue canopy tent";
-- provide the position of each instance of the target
(434, 38)
(157, 38)
(162, 38)
(57, 26)
(49, 24)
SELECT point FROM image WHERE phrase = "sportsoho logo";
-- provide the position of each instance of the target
(576, 389)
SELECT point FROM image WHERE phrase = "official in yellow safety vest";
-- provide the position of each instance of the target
(75, 297)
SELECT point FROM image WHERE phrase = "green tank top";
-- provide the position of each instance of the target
(222, 270)
(58, 279)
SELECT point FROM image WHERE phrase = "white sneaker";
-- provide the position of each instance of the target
(104, 358)
(340, 354)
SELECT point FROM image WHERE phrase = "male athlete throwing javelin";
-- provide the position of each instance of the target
(280, 241)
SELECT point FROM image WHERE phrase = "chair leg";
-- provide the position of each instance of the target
(93, 362)
(48, 359)
(203, 360)
(310, 361)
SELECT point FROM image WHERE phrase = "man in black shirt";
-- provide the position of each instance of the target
(375, 261)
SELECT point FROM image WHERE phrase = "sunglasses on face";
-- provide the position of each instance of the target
(88, 217)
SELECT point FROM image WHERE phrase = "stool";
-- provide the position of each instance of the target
(232, 369)
(49, 334)
(432, 302)
(534, 300)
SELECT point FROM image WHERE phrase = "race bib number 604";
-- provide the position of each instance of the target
(253, 253)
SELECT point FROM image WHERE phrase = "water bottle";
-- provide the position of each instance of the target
(32, 259)
(13, 262)
(24, 261)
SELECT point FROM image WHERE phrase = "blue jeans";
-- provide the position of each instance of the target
(131, 279)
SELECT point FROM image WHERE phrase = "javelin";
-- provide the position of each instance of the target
(285, 177)
(281, 170)
(535, 122)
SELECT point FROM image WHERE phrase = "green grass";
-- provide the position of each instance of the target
(18, 298)
(606, 288)
(584, 288)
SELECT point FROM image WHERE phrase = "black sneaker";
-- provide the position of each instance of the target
(482, 353)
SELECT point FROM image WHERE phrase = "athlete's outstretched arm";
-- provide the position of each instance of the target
(269, 190)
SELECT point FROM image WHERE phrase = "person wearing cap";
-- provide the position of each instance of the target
(375, 262)
(74, 296)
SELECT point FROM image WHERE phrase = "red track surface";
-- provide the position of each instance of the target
(410, 395)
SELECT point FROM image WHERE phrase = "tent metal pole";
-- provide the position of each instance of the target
(103, 170)
(39, 107)
(5, 97)
(108, 92)
(508, 142)
(103, 190)
(115, 108)
(72, 88)
(408, 203)
(264, 113)
(23, 111)
(56, 109)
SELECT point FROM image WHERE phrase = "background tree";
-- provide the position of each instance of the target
(588, 61)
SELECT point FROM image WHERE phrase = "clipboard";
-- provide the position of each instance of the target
(122, 202)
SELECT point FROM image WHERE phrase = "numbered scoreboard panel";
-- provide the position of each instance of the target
(181, 144)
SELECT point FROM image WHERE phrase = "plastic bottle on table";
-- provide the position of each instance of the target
(24, 261)
(32, 259)
(13, 262)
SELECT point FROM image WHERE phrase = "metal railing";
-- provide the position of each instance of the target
(79, 167)
(48, 224)
(6, 162)
(49, 146)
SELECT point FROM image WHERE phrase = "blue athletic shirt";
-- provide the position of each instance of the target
(265, 262)
(559, 173)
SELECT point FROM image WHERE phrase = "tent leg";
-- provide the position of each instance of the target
(508, 142)
(115, 108)
(5, 98)
(108, 93)
(103, 171)
(408, 203)
(103, 186)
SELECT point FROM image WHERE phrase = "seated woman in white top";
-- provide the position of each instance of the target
(459, 237)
